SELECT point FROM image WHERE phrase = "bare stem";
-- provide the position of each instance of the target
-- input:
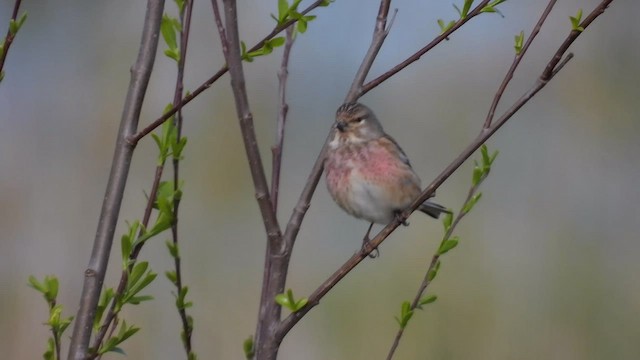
(417, 55)
(283, 109)
(269, 313)
(98, 262)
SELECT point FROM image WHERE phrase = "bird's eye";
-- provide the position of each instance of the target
(361, 120)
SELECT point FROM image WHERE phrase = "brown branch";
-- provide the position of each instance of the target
(96, 270)
(283, 109)
(269, 314)
(543, 80)
(379, 35)
(516, 62)
(434, 260)
(134, 138)
(8, 40)
(185, 19)
(416, 56)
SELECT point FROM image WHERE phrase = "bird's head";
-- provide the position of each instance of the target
(356, 123)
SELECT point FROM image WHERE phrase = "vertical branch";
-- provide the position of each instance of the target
(283, 109)
(274, 272)
(187, 324)
(96, 270)
(516, 62)
(8, 40)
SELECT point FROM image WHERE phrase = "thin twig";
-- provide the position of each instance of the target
(185, 19)
(112, 313)
(8, 40)
(516, 62)
(134, 138)
(416, 56)
(547, 75)
(434, 260)
(283, 109)
(96, 270)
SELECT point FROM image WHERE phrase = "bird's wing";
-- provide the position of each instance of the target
(392, 144)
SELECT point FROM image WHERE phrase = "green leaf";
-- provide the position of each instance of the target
(135, 300)
(283, 300)
(277, 41)
(427, 300)
(447, 220)
(172, 276)
(167, 28)
(519, 42)
(302, 26)
(248, 348)
(405, 314)
(444, 27)
(180, 4)
(433, 272)
(287, 300)
(471, 203)
(448, 245)
(13, 27)
(174, 251)
(50, 352)
(283, 10)
(575, 21)
(173, 54)
(491, 7)
(34, 283)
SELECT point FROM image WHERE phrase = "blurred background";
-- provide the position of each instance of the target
(547, 266)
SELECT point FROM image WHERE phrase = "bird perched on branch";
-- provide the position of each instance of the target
(368, 175)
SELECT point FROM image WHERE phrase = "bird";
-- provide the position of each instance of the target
(368, 174)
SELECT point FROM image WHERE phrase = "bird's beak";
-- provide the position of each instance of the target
(341, 125)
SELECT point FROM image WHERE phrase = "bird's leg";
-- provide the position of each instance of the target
(365, 241)
(398, 215)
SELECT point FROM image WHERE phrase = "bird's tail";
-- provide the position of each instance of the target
(432, 209)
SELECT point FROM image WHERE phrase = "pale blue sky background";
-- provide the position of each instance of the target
(547, 266)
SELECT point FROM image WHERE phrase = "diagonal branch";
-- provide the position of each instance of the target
(434, 260)
(283, 109)
(553, 67)
(96, 270)
(416, 56)
(134, 138)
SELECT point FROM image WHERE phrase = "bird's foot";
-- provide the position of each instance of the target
(398, 215)
(365, 244)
